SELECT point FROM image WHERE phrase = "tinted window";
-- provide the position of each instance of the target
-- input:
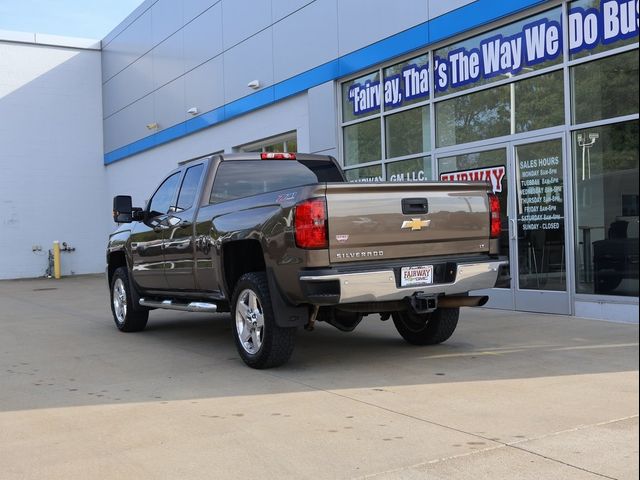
(161, 201)
(189, 187)
(245, 178)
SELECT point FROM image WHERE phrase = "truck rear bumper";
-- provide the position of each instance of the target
(327, 288)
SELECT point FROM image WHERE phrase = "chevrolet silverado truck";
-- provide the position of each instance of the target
(282, 241)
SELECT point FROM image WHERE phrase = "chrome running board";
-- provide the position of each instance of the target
(201, 307)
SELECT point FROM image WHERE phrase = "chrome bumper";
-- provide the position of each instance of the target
(381, 285)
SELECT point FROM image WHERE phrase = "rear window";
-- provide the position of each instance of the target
(246, 178)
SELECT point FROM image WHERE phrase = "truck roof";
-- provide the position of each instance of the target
(256, 156)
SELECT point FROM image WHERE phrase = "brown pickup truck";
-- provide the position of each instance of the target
(283, 241)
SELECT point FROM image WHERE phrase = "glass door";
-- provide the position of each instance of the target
(537, 230)
(528, 178)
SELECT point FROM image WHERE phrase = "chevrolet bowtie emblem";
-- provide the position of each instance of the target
(415, 223)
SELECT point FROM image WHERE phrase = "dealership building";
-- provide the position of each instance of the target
(539, 98)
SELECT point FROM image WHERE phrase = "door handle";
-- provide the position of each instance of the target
(415, 206)
(184, 224)
(514, 229)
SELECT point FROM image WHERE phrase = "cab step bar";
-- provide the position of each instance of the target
(201, 307)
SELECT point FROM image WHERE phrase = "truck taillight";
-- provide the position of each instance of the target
(310, 224)
(494, 209)
(277, 156)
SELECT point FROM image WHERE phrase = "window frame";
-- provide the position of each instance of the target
(197, 187)
(174, 196)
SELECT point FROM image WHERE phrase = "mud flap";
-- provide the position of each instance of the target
(287, 315)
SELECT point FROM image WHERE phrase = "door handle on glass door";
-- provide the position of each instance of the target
(513, 229)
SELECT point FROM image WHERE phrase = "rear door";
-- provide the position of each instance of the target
(398, 221)
(179, 248)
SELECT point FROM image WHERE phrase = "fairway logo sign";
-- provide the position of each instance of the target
(537, 42)
(493, 175)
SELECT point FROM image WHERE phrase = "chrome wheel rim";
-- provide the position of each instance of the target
(119, 300)
(249, 321)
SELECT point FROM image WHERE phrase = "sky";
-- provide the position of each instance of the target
(69, 18)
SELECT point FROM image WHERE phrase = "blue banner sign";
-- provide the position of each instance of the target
(538, 41)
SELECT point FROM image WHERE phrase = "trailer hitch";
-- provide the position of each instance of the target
(420, 302)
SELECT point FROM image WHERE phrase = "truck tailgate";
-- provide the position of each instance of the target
(366, 221)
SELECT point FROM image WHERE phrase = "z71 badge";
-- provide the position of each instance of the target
(285, 197)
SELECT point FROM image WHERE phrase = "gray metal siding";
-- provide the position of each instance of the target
(168, 60)
(247, 61)
(127, 47)
(322, 107)
(301, 41)
(243, 19)
(204, 86)
(203, 38)
(217, 47)
(363, 23)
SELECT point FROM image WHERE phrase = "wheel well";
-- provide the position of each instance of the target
(114, 261)
(241, 257)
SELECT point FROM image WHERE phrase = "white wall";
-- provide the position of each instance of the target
(52, 181)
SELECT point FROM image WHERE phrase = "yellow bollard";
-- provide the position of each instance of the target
(56, 259)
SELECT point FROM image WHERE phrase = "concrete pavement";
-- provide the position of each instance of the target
(510, 395)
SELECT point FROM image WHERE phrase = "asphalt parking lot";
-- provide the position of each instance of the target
(510, 395)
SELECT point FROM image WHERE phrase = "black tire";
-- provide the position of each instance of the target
(274, 344)
(429, 328)
(134, 317)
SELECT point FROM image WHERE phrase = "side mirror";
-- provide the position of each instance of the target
(122, 209)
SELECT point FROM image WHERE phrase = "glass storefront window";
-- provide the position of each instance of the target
(362, 142)
(291, 145)
(605, 163)
(285, 143)
(594, 29)
(372, 173)
(605, 88)
(517, 48)
(361, 97)
(539, 102)
(406, 83)
(408, 132)
(412, 170)
(472, 117)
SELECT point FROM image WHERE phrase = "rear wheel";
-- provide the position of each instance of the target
(260, 342)
(427, 328)
(128, 315)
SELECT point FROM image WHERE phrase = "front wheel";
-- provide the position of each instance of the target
(428, 328)
(128, 316)
(260, 342)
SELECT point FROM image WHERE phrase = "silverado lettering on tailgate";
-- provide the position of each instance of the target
(363, 254)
